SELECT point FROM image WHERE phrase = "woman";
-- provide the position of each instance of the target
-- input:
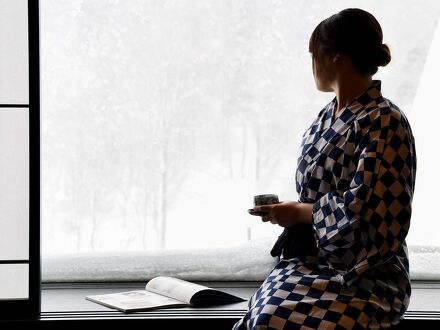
(355, 181)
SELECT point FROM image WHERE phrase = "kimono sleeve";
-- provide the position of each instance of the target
(367, 224)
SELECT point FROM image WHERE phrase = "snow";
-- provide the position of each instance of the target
(424, 263)
(250, 261)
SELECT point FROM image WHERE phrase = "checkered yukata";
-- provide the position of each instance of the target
(358, 170)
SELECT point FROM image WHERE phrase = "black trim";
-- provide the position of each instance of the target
(11, 262)
(28, 309)
(34, 157)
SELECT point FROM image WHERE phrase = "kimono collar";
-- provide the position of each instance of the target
(368, 96)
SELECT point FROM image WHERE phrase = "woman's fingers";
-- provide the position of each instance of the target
(268, 218)
(262, 208)
(265, 211)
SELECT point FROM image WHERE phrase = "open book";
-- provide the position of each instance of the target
(165, 292)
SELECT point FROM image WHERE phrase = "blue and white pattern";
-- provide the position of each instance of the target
(358, 169)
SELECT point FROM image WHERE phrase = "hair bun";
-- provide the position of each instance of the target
(383, 56)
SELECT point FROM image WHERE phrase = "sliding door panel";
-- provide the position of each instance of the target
(14, 184)
(14, 63)
(15, 281)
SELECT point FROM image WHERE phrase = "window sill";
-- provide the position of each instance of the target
(63, 306)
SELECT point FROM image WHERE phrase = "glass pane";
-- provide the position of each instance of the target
(14, 281)
(425, 118)
(14, 64)
(14, 183)
(162, 119)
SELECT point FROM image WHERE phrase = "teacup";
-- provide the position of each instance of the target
(266, 199)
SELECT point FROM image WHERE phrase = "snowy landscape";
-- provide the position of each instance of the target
(162, 119)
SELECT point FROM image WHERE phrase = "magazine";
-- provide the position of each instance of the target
(165, 292)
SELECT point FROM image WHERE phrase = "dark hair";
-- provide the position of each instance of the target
(354, 32)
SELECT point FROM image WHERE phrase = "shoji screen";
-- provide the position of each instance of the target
(19, 159)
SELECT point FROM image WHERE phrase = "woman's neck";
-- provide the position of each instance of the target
(347, 88)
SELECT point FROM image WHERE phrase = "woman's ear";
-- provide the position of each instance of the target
(336, 58)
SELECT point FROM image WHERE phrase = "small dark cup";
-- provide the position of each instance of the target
(266, 199)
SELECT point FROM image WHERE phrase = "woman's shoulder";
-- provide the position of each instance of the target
(381, 113)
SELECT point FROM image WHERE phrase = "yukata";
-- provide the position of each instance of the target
(358, 169)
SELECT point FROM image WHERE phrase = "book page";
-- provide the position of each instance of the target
(135, 300)
(174, 288)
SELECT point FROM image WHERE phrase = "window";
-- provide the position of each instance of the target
(161, 120)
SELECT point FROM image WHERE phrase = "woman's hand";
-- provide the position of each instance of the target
(286, 213)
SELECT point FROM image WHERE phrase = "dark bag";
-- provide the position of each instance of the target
(296, 241)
